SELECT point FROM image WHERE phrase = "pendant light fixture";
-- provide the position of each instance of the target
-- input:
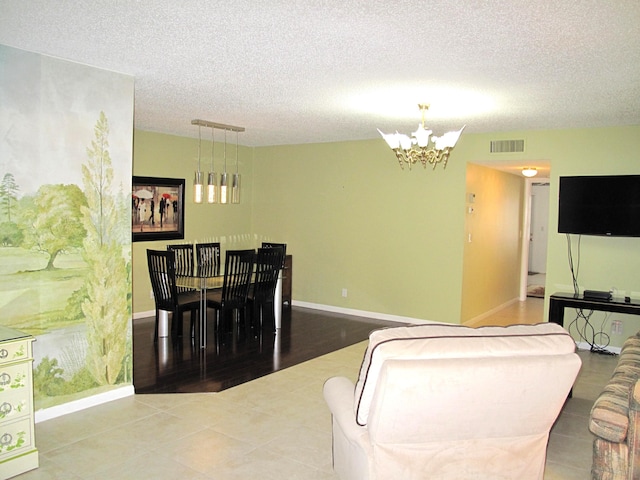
(197, 181)
(224, 197)
(217, 194)
(235, 180)
(212, 181)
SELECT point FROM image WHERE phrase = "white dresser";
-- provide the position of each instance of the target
(18, 451)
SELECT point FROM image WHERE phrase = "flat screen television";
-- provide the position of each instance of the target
(600, 205)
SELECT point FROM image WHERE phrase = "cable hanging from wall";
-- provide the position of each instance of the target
(215, 193)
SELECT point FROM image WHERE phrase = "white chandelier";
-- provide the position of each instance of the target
(410, 150)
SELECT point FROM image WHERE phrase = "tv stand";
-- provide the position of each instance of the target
(559, 301)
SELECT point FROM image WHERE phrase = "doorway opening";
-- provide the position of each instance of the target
(534, 251)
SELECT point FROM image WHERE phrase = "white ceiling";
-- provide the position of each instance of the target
(329, 70)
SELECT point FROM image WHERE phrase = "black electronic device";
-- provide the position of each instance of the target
(596, 295)
(600, 205)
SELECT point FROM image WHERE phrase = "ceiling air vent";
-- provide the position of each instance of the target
(506, 146)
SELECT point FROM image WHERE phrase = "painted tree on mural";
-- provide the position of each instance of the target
(106, 307)
(10, 232)
(52, 225)
(8, 195)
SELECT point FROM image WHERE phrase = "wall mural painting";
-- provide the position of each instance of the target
(65, 241)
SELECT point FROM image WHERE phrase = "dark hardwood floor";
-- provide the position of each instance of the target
(231, 359)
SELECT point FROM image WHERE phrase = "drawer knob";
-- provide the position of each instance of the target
(5, 409)
(5, 379)
(6, 439)
(4, 353)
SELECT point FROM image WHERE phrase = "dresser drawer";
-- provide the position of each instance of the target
(15, 394)
(15, 438)
(15, 377)
(15, 351)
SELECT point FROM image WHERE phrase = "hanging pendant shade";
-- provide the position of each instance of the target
(212, 181)
(211, 188)
(197, 181)
(224, 191)
(235, 188)
(235, 180)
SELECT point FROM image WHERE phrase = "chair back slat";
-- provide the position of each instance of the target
(268, 265)
(183, 262)
(162, 275)
(238, 269)
(208, 259)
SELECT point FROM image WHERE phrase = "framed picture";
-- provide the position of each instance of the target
(157, 208)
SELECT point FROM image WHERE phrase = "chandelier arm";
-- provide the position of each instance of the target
(400, 157)
(445, 157)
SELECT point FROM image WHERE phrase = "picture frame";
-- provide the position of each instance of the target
(157, 209)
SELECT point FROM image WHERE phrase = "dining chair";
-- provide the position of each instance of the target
(261, 295)
(183, 262)
(282, 246)
(208, 259)
(232, 298)
(165, 292)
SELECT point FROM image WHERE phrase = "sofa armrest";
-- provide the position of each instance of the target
(338, 393)
(609, 417)
(633, 438)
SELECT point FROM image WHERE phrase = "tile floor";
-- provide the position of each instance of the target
(274, 427)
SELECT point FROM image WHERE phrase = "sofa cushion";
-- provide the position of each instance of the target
(440, 341)
(609, 417)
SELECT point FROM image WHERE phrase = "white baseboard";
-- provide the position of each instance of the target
(139, 315)
(81, 404)
(361, 313)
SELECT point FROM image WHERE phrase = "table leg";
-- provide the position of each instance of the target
(163, 324)
(203, 315)
(277, 302)
(556, 312)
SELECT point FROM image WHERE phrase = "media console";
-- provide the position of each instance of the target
(559, 301)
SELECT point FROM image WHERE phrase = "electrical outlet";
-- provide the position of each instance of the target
(344, 292)
(151, 294)
(616, 327)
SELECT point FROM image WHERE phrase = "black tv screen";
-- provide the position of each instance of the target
(600, 205)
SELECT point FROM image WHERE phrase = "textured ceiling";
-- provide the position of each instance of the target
(325, 70)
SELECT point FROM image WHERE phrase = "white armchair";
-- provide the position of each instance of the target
(452, 402)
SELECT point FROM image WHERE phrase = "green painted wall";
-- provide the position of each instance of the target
(355, 220)
(394, 239)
